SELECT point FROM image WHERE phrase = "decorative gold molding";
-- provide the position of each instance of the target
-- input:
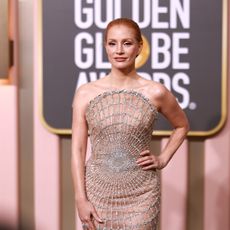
(40, 69)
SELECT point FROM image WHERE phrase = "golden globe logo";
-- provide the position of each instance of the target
(144, 55)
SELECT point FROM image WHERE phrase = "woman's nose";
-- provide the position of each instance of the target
(119, 49)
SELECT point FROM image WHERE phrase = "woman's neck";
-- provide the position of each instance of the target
(119, 79)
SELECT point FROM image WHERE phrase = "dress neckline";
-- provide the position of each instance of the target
(117, 91)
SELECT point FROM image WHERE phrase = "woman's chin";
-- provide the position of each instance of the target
(123, 66)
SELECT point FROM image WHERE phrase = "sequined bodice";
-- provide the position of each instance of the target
(120, 124)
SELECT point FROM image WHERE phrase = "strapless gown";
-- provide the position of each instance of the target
(126, 197)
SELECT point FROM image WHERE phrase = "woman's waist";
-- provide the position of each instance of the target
(116, 161)
(113, 167)
(112, 164)
(103, 177)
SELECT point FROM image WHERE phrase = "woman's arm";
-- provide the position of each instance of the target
(169, 107)
(86, 210)
(79, 144)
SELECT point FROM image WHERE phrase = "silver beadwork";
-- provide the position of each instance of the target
(120, 125)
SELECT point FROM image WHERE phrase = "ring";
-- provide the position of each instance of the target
(85, 226)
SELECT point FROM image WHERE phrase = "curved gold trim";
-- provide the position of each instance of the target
(155, 133)
(40, 69)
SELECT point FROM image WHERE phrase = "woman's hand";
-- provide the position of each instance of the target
(149, 161)
(87, 214)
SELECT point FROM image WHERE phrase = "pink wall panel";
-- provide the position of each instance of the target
(217, 182)
(46, 154)
(174, 190)
(217, 168)
(8, 155)
(47, 178)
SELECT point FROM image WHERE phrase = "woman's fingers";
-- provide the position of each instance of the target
(91, 225)
(96, 217)
(145, 156)
(142, 159)
(154, 164)
(89, 215)
(145, 152)
(148, 161)
(150, 167)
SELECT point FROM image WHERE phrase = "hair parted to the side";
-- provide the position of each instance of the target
(126, 22)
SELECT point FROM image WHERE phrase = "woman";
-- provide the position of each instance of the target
(119, 186)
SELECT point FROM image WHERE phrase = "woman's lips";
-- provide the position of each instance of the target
(120, 59)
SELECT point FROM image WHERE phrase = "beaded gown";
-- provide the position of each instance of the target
(126, 197)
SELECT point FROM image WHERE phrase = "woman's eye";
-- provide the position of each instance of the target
(127, 43)
(111, 44)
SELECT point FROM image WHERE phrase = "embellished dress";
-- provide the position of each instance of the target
(124, 195)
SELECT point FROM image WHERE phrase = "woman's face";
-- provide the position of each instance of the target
(122, 47)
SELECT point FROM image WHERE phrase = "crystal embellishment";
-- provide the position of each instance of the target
(120, 125)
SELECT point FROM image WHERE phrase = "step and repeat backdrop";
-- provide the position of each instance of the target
(184, 49)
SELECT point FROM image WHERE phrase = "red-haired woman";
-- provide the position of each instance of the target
(119, 186)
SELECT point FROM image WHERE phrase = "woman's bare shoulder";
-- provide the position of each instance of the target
(82, 90)
(157, 93)
(82, 94)
(155, 89)
(86, 88)
(87, 91)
